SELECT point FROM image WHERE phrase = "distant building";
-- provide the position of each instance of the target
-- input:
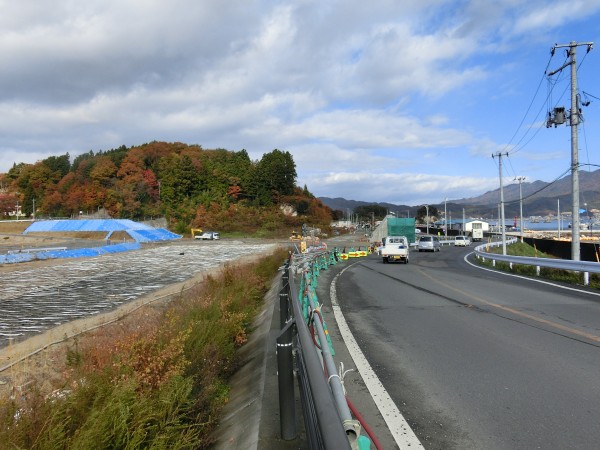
(468, 225)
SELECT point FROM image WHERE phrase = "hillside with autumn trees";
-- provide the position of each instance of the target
(190, 186)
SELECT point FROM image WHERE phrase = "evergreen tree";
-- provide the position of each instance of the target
(276, 176)
(59, 165)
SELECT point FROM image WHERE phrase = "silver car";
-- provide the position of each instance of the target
(429, 244)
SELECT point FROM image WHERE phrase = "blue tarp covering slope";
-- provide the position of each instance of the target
(75, 253)
(138, 231)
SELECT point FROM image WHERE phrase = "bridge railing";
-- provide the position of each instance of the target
(583, 267)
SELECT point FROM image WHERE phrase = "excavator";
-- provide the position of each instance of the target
(296, 236)
(196, 231)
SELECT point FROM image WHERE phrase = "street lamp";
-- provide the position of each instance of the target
(590, 227)
(427, 218)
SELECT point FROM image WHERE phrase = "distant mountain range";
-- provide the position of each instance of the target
(539, 199)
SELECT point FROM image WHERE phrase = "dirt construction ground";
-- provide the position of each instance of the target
(40, 359)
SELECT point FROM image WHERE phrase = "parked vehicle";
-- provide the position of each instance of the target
(395, 249)
(208, 235)
(462, 241)
(429, 244)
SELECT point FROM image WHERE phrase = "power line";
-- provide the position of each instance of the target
(552, 85)
(543, 188)
(528, 108)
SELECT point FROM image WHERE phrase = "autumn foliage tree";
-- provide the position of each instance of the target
(189, 185)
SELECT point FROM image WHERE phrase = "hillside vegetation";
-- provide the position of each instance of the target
(189, 185)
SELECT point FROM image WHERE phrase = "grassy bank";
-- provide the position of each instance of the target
(158, 383)
(523, 249)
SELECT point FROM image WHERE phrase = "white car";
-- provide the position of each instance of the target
(461, 241)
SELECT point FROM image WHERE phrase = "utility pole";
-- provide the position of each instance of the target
(558, 119)
(559, 216)
(499, 155)
(445, 219)
(521, 179)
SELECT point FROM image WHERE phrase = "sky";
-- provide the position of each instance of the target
(384, 101)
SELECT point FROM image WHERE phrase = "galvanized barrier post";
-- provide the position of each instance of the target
(285, 376)
(284, 306)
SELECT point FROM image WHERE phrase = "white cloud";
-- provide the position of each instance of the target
(401, 188)
(384, 92)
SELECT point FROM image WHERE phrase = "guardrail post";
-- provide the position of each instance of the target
(284, 306)
(285, 377)
(537, 270)
(586, 278)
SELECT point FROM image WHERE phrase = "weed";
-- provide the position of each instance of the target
(159, 383)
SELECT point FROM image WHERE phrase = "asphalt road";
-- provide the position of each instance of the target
(475, 359)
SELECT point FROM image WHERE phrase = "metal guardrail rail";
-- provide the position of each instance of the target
(327, 417)
(584, 267)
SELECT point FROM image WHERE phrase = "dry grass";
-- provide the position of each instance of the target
(13, 227)
(156, 380)
(94, 235)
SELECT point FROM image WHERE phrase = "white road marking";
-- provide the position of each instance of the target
(403, 435)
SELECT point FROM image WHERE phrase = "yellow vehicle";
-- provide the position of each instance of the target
(295, 236)
(196, 233)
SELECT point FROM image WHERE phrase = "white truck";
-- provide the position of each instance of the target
(395, 248)
(477, 234)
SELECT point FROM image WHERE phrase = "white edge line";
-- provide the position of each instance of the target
(535, 280)
(400, 429)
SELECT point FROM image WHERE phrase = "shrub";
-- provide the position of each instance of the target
(159, 383)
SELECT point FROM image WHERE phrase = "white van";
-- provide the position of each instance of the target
(462, 241)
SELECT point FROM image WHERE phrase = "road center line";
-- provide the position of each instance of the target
(516, 312)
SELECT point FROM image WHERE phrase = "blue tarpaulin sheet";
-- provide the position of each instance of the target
(75, 253)
(138, 231)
